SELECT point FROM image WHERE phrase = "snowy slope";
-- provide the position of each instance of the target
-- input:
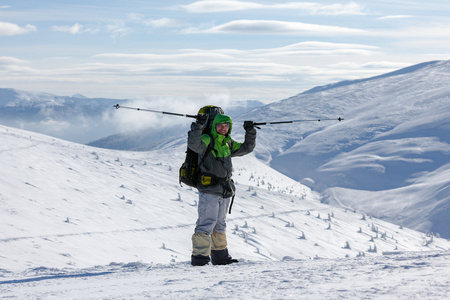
(389, 158)
(402, 276)
(66, 205)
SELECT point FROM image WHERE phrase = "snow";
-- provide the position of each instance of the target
(393, 276)
(87, 223)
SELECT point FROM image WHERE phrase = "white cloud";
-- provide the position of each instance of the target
(419, 31)
(74, 29)
(214, 6)
(338, 9)
(395, 17)
(210, 6)
(389, 65)
(14, 65)
(431, 31)
(189, 55)
(228, 65)
(162, 23)
(9, 29)
(278, 27)
(316, 48)
(317, 45)
(231, 57)
(7, 60)
(385, 64)
(118, 29)
(155, 23)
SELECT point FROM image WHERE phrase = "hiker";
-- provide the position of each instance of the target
(215, 186)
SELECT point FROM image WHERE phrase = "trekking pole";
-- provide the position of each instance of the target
(295, 121)
(117, 106)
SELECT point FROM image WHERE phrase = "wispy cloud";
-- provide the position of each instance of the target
(163, 23)
(277, 27)
(420, 31)
(208, 6)
(214, 68)
(8, 60)
(14, 65)
(317, 48)
(230, 65)
(74, 29)
(256, 55)
(118, 29)
(315, 45)
(187, 54)
(9, 29)
(395, 17)
(369, 65)
(214, 6)
(154, 23)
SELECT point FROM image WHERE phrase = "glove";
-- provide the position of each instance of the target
(249, 125)
(202, 119)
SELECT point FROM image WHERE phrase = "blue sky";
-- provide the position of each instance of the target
(212, 50)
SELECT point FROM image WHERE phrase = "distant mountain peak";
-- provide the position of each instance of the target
(406, 70)
(80, 96)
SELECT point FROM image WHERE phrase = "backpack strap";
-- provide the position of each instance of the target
(208, 150)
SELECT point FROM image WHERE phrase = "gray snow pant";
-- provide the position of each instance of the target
(211, 225)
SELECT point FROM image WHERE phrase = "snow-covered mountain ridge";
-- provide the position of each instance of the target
(83, 120)
(349, 82)
(390, 157)
(66, 205)
(74, 118)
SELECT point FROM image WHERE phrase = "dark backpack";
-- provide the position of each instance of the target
(189, 171)
(212, 111)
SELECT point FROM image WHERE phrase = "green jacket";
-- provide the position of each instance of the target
(216, 170)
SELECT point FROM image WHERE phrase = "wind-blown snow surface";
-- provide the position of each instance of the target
(85, 222)
(396, 276)
(389, 157)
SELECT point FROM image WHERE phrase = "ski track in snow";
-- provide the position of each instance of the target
(396, 275)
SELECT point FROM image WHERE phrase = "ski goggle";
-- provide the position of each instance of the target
(223, 125)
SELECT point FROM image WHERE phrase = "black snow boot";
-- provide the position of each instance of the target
(221, 257)
(199, 260)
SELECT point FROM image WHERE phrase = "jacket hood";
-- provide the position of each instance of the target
(221, 119)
